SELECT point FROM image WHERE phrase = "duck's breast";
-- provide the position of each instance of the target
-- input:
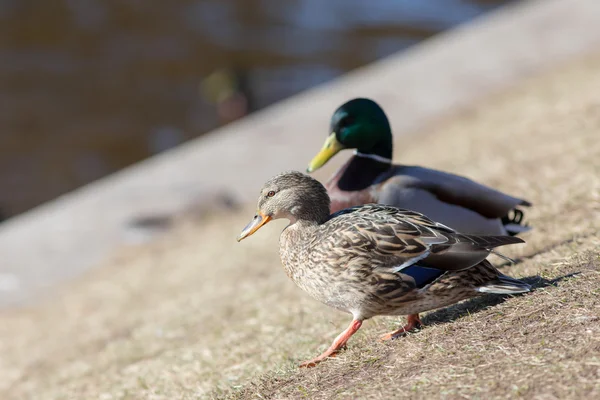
(341, 199)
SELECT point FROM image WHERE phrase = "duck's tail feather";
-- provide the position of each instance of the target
(516, 229)
(513, 222)
(504, 285)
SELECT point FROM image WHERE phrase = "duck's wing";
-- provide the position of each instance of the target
(394, 239)
(465, 251)
(450, 189)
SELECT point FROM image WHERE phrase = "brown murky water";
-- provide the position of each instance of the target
(90, 86)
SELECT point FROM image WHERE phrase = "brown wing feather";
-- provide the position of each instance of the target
(387, 237)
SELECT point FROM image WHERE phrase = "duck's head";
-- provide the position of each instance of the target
(358, 124)
(290, 195)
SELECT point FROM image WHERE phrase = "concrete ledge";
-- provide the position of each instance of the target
(77, 231)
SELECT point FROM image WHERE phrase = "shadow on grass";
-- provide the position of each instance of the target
(478, 304)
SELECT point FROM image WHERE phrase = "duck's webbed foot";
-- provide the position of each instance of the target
(338, 344)
(412, 322)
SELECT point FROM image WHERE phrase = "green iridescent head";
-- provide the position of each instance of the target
(358, 124)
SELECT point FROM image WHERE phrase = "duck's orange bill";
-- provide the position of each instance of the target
(259, 220)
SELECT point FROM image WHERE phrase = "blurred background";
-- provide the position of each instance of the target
(88, 87)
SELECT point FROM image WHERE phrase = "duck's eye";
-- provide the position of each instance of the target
(271, 193)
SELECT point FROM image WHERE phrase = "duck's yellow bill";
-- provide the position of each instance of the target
(259, 220)
(331, 147)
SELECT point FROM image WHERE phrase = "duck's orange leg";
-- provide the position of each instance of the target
(337, 344)
(412, 322)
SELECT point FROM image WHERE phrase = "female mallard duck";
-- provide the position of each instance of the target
(370, 177)
(374, 259)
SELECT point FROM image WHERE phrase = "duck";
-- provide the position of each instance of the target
(369, 176)
(374, 259)
(229, 90)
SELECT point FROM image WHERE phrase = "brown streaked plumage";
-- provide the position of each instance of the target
(374, 259)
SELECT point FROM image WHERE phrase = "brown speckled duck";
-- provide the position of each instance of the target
(374, 259)
(370, 177)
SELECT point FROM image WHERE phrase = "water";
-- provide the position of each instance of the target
(88, 86)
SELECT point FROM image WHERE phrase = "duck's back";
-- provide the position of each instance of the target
(442, 196)
(454, 189)
(454, 200)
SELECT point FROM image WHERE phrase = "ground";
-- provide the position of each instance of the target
(197, 315)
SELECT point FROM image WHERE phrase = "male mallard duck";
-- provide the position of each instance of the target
(374, 259)
(370, 177)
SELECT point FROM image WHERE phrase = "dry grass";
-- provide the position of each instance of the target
(196, 315)
(545, 344)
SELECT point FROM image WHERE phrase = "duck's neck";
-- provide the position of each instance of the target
(362, 170)
(293, 242)
(384, 148)
(303, 225)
